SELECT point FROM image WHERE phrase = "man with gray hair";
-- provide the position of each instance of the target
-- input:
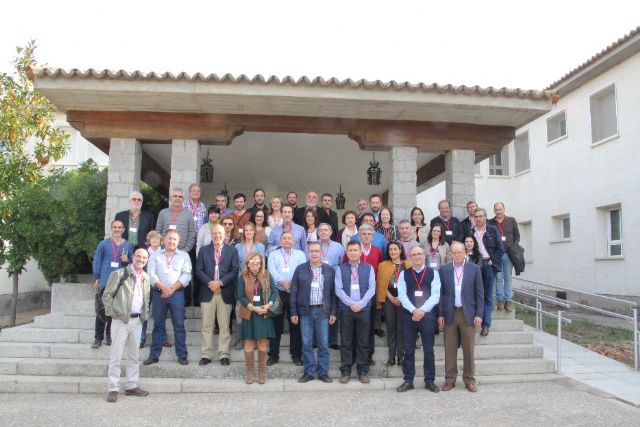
(407, 236)
(177, 218)
(137, 223)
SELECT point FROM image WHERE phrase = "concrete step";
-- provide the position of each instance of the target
(97, 385)
(84, 352)
(171, 369)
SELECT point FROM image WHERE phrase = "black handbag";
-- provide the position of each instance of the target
(276, 309)
(99, 305)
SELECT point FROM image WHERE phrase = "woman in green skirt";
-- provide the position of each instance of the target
(256, 294)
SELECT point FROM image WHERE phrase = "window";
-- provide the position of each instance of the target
(604, 121)
(561, 231)
(614, 227)
(499, 163)
(556, 127)
(565, 228)
(521, 149)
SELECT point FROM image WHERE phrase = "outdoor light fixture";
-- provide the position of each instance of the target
(225, 191)
(374, 172)
(340, 200)
(206, 169)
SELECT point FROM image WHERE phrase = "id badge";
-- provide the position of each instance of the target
(418, 294)
(195, 219)
(256, 298)
(285, 269)
(216, 267)
(395, 285)
(172, 227)
(133, 230)
(504, 238)
(449, 233)
(355, 286)
(114, 264)
(241, 230)
(433, 265)
(315, 285)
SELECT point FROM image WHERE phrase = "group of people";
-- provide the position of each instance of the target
(333, 286)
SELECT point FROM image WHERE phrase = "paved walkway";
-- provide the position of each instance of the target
(592, 369)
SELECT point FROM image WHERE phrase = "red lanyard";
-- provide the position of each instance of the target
(446, 224)
(194, 210)
(398, 272)
(309, 234)
(255, 287)
(324, 253)
(316, 277)
(133, 220)
(174, 216)
(419, 282)
(459, 277)
(386, 233)
(365, 254)
(116, 249)
(217, 253)
(169, 259)
(354, 278)
(500, 227)
(285, 258)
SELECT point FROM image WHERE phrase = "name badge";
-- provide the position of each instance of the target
(433, 265)
(285, 269)
(240, 230)
(418, 293)
(195, 219)
(256, 298)
(315, 285)
(114, 264)
(355, 286)
(216, 267)
(504, 238)
(172, 227)
(133, 230)
(449, 233)
(395, 285)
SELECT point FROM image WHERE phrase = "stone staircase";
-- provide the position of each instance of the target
(53, 354)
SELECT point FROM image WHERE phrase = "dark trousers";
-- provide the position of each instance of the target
(354, 325)
(295, 343)
(372, 322)
(394, 329)
(410, 331)
(488, 276)
(333, 332)
(192, 293)
(159, 307)
(100, 325)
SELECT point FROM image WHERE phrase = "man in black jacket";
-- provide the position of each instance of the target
(450, 225)
(137, 223)
(328, 216)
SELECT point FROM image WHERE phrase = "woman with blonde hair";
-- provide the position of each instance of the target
(275, 212)
(257, 295)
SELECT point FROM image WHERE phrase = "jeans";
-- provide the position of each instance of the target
(295, 346)
(100, 325)
(354, 327)
(488, 276)
(504, 287)
(159, 306)
(410, 330)
(394, 329)
(315, 325)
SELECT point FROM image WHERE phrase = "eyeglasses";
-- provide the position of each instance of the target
(175, 196)
(229, 224)
(136, 199)
(255, 262)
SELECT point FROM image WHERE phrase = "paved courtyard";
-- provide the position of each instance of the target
(560, 402)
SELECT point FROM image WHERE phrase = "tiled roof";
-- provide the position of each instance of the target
(594, 58)
(289, 81)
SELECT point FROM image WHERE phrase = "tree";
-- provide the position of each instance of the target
(29, 142)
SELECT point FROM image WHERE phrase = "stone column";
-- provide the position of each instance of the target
(460, 180)
(185, 164)
(402, 187)
(125, 162)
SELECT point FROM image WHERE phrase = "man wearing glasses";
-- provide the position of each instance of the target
(137, 223)
(175, 217)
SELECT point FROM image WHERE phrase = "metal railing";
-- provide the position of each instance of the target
(631, 305)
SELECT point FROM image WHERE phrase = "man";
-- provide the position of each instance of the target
(200, 217)
(222, 201)
(355, 288)
(491, 249)
(217, 269)
(363, 207)
(297, 232)
(407, 236)
(509, 235)
(419, 293)
(332, 254)
(179, 219)
(137, 223)
(258, 198)
(378, 239)
(282, 264)
(375, 205)
(460, 309)
(450, 224)
(327, 215)
(469, 222)
(170, 272)
(292, 200)
(311, 202)
(111, 254)
(240, 214)
(126, 301)
(314, 307)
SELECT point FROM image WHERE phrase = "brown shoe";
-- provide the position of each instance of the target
(97, 344)
(471, 387)
(508, 306)
(448, 386)
(500, 305)
(484, 332)
(364, 379)
(344, 379)
(167, 344)
(112, 396)
(136, 392)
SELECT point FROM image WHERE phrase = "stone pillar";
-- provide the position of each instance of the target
(402, 187)
(125, 163)
(460, 180)
(185, 164)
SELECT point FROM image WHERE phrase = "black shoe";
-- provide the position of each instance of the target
(150, 361)
(272, 360)
(297, 360)
(204, 361)
(431, 387)
(404, 387)
(400, 361)
(141, 344)
(305, 378)
(325, 378)
(108, 341)
(224, 361)
(391, 361)
(380, 333)
(334, 347)
(183, 361)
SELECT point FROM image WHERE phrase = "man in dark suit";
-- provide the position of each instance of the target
(450, 225)
(217, 267)
(314, 306)
(311, 202)
(461, 309)
(328, 216)
(137, 223)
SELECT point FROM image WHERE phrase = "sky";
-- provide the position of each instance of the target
(515, 44)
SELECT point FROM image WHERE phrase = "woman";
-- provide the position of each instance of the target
(262, 232)
(204, 235)
(256, 295)
(345, 234)
(386, 227)
(230, 232)
(387, 294)
(275, 212)
(472, 251)
(311, 222)
(248, 243)
(417, 221)
(437, 249)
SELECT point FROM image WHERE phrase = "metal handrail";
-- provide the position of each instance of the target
(618, 300)
(547, 298)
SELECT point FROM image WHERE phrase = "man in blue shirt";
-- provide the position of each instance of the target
(378, 238)
(297, 232)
